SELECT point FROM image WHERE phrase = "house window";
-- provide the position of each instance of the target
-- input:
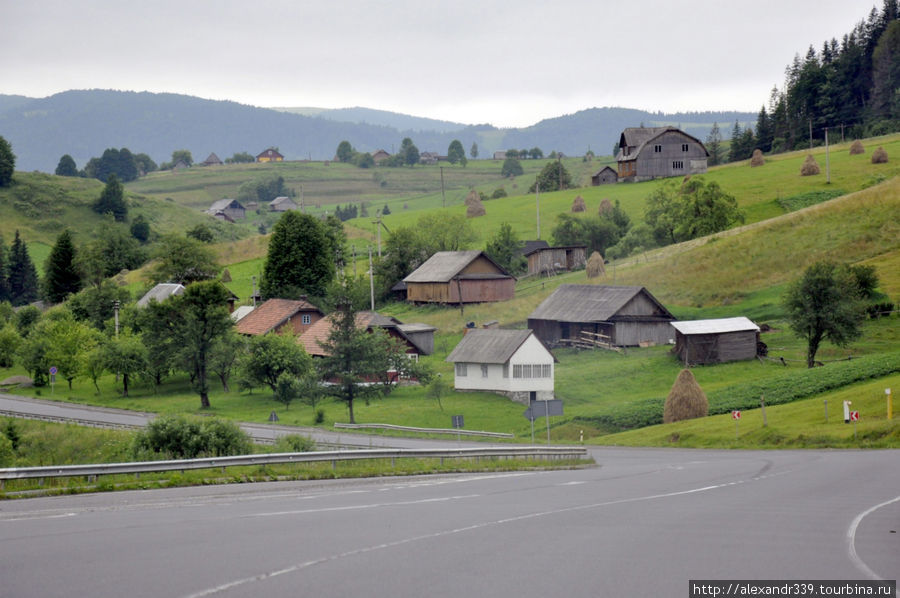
(461, 370)
(517, 371)
(657, 149)
(526, 370)
(548, 370)
(684, 147)
(484, 370)
(506, 370)
(306, 319)
(678, 164)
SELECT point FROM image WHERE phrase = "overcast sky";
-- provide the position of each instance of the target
(508, 63)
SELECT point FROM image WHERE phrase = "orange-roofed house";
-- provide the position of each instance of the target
(279, 315)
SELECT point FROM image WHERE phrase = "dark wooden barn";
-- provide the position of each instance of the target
(552, 260)
(647, 153)
(605, 176)
(700, 342)
(626, 316)
(459, 277)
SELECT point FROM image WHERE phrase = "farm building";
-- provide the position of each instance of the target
(605, 176)
(231, 208)
(624, 316)
(276, 314)
(715, 341)
(270, 155)
(282, 204)
(514, 363)
(419, 338)
(500, 155)
(212, 160)
(160, 293)
(459, 277)
(647, 153)
(551, 260)
(380, 156)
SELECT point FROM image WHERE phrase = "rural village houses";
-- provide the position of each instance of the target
(275, 314)
(459, 277)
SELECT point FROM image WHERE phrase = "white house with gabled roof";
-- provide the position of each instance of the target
(514, 363)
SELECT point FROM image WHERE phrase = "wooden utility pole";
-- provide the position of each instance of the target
(810, 134)
(827, 163)
(371, 281)
(443, 197)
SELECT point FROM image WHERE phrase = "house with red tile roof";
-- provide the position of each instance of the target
(278, 315)
(416, 337)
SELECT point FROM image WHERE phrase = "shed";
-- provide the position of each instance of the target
(160, 293)
(229, 207)
(647, 153)
(716, 341)
(459, 277)
(626, 316)
(282, 204)
(550, 260)
(513, 363)
(275, 314)
(605, 176)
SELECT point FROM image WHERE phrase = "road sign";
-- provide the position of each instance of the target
(458, 421)
(53, 370)
(273, 417)
(854, 416)
(735, 415)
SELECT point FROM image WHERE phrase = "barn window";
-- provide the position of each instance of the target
(461, 369)
(484, 370)
(684, 147)
(678, 164)
(657, 149)
(306, 319)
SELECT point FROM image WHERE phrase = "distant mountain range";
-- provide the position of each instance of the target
(85, 123)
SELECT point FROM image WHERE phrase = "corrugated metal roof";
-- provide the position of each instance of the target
(715, 326)
(160, 293)
(444, 265)
(587, 303)
(488, 345)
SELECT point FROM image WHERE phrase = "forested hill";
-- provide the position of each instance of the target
(85, 123)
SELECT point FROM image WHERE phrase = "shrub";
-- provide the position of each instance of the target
(294, 443)
(181, 437)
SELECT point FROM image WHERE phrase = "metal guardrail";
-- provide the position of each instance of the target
(20, 473)
(62, 419)
(449, 431)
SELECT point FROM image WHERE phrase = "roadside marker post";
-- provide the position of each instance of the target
(736, 416)
(890, 404)
(847, 411)
(854, 417)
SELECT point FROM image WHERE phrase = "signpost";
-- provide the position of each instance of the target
(890, 404)
(53, 372)
(847, 411)
(854, 417)
(736, 416)
(535, 410)
(458, 423)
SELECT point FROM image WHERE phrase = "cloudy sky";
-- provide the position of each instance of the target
(508, 63)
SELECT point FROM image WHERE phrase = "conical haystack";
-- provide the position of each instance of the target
(686, 400)
(810, 166)
(857, 148)
(595, 266)
(472, 198)
(606, 207)
(578, 205)
(226, 275)
(879, 156)
(474, 209)
(757, 159)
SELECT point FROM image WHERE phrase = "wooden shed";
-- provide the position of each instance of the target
(229, 207)
(715, 341)
(459, 277)
(647, 153)
(624, 316)
(605, 176)
(552, 260)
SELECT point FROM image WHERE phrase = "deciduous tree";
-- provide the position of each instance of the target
(66, 166)
(7, 163)
(298, 260)
(112, 200)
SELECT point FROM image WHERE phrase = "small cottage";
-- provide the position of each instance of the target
(513, 363)
(270, 155)
(277, 314)
(420, 342)
(605, 176)
(552, 260)
(282, 204)
(699, 342)
(231, 208)
(622, 316)
(459, 277)
(647, 153)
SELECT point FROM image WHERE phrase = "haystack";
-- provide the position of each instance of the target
(595, 266)
(810, 166)
(472, 199)
(606, 207)
(686, 400)
(475, 208)
(226, 275)
(879, 156)
(757, 159)
(578, 205)
(857, 148)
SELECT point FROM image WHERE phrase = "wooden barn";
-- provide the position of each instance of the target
(700, 342)
(229, 207)
(552, 260)
(459, 277)
(647, 153)
(623, 316)
(282, 204)
(605, 176)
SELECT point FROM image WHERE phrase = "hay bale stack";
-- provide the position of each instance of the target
(606, 207)
(810, 166)
(757, 159)
(595, 266)
(879, 156)
(578, 205)
(475, 208)
(857, 148)
(686, 400)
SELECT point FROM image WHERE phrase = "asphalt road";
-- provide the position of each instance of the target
(642, 523)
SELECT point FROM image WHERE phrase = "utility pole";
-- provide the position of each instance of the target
(810, 134)
(443, 197)
(827, 163)
(537, 190)
(371, 281)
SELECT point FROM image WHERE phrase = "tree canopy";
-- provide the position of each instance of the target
(22, 276)
(7, 163)
(694, 208)
(112, 200)
(300, 259)
(66, 166)
(61, 275)
(505, 249)
(455, 153)
(553, 177)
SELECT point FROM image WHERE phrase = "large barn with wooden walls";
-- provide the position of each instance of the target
(647, 153)
(624, 316)
(459, 277)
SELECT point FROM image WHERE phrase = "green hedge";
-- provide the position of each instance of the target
(783, 388)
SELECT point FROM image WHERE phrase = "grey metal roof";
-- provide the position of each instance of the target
(481, 345)
(718, 326)
(160, 293)
(223, 204)
(444, 265)
(638, 137)
(588, 303)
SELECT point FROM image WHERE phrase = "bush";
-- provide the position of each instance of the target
(294, 443)
(181, 437)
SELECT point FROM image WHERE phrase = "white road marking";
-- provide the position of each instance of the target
(851, 540)
(361, 507)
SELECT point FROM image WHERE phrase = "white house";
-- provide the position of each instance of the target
(514, 363)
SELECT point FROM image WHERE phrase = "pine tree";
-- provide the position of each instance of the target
(112, 200)
(22, 276)
(61, 277)
(714, 145)
(7, 163)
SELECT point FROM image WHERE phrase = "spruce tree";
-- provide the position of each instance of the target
(22, 277)
(112, 200)
(7, 163)
(61, 277)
